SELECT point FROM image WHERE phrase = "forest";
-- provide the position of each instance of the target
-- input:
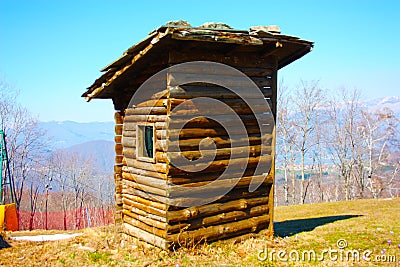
(52, 188)
(331, 146)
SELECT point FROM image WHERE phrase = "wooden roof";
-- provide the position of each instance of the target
(266, 40)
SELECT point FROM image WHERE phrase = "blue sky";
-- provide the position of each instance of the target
(52, 50)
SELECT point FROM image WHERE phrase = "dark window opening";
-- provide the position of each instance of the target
(145, 142)
(148, 141)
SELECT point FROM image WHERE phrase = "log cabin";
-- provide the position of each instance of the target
(195, 142)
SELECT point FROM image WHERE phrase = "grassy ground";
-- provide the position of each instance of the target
(372, 227)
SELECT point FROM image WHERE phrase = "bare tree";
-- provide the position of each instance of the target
(378, 130)
(342, 138)
(25, 139)
(60, 179)
(73, 177)
(306, 101)
(36, 185)
(319, 158)
(285, 139)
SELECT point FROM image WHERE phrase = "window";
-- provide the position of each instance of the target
(145, 149)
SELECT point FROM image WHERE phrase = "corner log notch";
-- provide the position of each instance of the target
(163, 203)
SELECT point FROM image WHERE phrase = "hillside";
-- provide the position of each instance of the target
(100, 151)
(69, 133)
(371, 227)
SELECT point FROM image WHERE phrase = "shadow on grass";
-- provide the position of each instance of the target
(3, 243)
(292, 227)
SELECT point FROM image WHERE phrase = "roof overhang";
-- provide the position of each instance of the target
(284, 47)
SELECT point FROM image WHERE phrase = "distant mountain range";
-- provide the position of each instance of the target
(65, 134)
(391, 102)
(91, 140)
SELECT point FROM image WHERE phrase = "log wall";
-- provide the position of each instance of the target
(119, 121)
(153, 195)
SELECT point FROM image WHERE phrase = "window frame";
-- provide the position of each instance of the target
(140, 142)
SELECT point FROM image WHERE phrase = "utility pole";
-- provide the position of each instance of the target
(5, 173)
(10, 217)
(48, 187)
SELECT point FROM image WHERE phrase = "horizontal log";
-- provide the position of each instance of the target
(146, 201)
(240, 108)
(145, 118)
(215, 154)
(143, 207)
(217, 165)
(118, 168)
(219, 219)
(257, 72)
(228, 120)
(118, 139)
(206, 188)
(118, 129)
(163, 94)
(145, 236)
(129, 133)
(161, 134)
(239, 193)
(145, 188)
(143, 213)
(129, 141)
(220, 153)
(161, 145)
(150, 103)
(154, 167)
(143, 226)
(146, 220)
(232, 102)
(190, 53)
(144, 180)
(223, 182)
(217, 92)
(176, 79)
(212, 233)
(118, 118)
(178, 203)
(117, 178)
(187, 133)
(161, 157)
(129, 152)
(146, 195)
(200, 177)
(219, 141)
(118, 159)
(215, 208)
(129, 126)
(145, 172)
(146, 111)
(118, 149)
(217, 70)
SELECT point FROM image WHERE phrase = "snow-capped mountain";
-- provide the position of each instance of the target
(391, 102)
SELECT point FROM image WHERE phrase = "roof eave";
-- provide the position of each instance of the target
(130, 56)
(296, 55)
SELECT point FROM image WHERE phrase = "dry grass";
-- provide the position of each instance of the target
(364, 224)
